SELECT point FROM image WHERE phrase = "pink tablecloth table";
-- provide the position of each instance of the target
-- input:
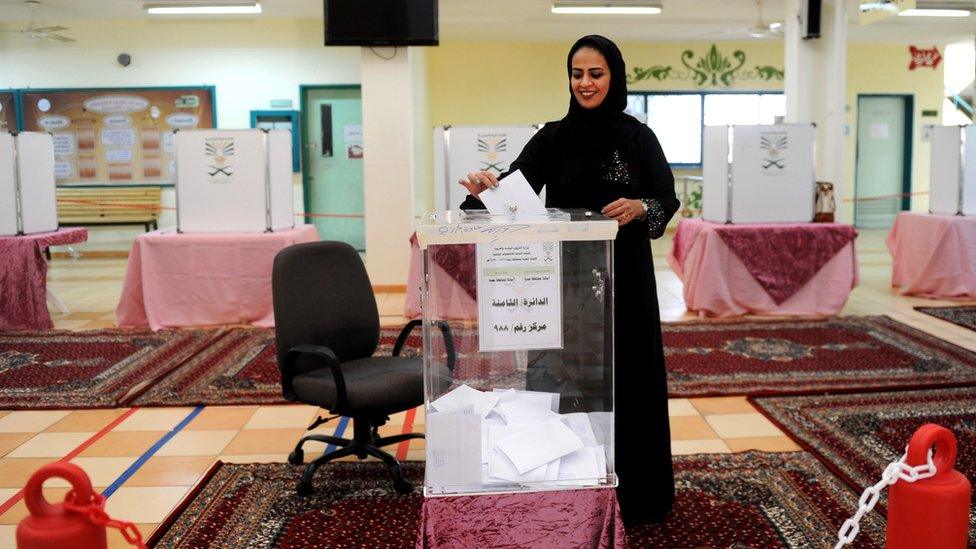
(571, 518)
(775, 269)
(185, 279)
(454, 301)
(23, 277)
(934, 255)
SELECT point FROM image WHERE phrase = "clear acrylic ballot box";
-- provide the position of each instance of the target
(518, 351)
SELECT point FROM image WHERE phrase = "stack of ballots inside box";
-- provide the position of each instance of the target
(485, 441)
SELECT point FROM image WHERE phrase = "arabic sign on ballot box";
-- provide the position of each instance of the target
(519, 305)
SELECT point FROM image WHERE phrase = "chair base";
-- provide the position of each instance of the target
(365, 442)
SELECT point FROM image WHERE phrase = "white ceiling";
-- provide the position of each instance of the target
(530, 20)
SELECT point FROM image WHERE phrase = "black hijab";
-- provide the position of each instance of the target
(606, 127)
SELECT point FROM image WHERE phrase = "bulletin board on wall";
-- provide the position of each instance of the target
(8, 112)
(116, 136)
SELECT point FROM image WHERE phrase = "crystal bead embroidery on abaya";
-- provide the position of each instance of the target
(616, 171)
(657, 218)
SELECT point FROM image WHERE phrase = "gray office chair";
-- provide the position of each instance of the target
(326, 330)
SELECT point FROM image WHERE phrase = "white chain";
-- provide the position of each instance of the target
(894, 471)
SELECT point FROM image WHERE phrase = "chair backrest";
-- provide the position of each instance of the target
(322, 296)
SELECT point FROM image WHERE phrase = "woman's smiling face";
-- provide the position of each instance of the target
(590, 77)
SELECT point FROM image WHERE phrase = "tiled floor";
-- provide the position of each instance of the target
(91, 287)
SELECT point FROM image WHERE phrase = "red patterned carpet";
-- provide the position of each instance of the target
(241, 368)
(963, 316)
(784, 357)
(256, 505)
(95, 369)
(756, 499)
(108, 368)
(858, 435)
(751, 499)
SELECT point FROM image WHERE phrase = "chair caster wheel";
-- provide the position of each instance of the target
(403, 487)
(296, 457)
(305, 490)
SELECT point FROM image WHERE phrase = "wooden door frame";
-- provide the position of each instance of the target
(906, 186)
(303, 90)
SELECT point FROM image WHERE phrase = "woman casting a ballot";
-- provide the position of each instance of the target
(602, 159)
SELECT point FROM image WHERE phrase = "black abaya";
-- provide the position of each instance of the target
(588, 160)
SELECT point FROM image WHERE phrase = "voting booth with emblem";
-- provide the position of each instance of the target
(521, 398)
(28, 201)
(460, 150)
(758, 174)
(953, 173)
(234, 181)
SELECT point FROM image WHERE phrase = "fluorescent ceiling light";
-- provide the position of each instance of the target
(605, 9)
(241, 8)
(934, 13)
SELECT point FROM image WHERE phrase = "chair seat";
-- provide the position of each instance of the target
(379, 385)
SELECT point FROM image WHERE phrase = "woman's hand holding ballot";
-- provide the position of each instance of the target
(479, 181)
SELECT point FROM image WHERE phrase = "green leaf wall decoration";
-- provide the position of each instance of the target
(714, 69)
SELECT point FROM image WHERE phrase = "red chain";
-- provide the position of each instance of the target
(95, 511)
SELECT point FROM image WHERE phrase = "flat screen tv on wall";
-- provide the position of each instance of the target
(380, 22)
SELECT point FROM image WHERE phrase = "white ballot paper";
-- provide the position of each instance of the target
(454, 448)
(539, 444)
(602, 424)
(508, 395)
(525, 411)
(493, 420)
(580, 424)
(502, 471)
(583, 467)
(513, 191)
(462, 396)
(519, 296)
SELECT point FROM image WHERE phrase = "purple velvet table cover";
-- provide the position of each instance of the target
(570, 518)
(23, 277)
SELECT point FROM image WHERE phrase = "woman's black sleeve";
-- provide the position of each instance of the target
(531, 161)
(656, 185)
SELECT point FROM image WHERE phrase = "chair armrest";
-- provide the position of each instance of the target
(404, 333)
(445, 332)
(327, 358)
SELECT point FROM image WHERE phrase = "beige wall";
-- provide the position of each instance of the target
(489, 83)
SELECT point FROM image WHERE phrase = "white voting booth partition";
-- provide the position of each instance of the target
(952, 187)
(767, 178)
(460, 150)
(234, 181)
(523, 399)
(28, 200)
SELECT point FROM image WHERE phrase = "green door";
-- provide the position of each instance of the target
(883, 159)
(333, 167)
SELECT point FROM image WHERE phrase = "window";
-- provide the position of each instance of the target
(678, 119)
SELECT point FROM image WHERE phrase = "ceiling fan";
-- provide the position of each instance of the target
(759, 29)
(40, 32)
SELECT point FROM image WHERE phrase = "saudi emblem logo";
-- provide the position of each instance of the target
(220, 149)
(491, 147)
(773, 145)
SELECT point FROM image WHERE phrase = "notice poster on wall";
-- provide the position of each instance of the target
(519, 296)
(353, 136)
(111, 136)
(8, 114)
